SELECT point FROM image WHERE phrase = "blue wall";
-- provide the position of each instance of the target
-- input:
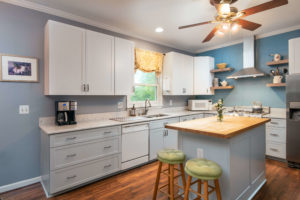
(252, 89)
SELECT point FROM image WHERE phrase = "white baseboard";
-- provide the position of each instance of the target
(19, 184)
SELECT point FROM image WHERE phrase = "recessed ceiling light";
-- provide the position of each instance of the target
(159, 30)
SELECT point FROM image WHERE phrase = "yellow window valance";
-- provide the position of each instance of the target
(148, 61)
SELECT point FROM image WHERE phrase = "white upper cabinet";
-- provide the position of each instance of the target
(83, 62)
(99, 68)
(294, 56)
(124, 66)
(203, 78)
(178, 74)
(64, 59)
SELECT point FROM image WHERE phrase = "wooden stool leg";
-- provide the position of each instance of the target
(172, 182)
(187, 188)
(199, 188)
(205, 188)
(169, 180)
(217, 185)
(182, 175)
(157, 180)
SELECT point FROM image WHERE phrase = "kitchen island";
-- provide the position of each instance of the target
(237, 144)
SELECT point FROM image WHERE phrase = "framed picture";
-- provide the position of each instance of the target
(18, 69)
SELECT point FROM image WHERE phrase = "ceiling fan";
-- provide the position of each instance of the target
(230, 18)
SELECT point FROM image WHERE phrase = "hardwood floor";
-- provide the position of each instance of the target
(283, 183)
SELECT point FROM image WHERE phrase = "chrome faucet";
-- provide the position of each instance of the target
(147, 107)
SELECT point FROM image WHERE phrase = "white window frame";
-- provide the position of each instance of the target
(159, 100)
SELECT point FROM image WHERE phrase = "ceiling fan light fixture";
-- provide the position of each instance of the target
(220, 33)
(159, 30)
(235, 27)
(225, 9)
(225, 26)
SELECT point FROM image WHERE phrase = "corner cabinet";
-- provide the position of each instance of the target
(203, 78)
(84, 62)
(178, 74)
(294, 59)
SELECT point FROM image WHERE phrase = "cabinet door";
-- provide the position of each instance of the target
(294, 59)
(64, 59)
(171, 139)
(156, 142)
(99, 71)
(202, 76)
(124, 66)
(182, 69)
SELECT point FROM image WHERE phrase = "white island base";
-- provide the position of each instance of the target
(241, 157)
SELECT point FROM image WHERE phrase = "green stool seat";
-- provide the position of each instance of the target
(171, 156)
(203, 169)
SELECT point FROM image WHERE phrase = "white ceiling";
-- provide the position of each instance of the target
(141, 17)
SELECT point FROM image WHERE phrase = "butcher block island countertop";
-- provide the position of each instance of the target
(229, 127)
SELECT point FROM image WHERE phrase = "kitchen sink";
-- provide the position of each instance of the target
(156, 116)
(127, 119)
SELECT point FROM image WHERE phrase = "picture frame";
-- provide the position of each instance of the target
(15, 68)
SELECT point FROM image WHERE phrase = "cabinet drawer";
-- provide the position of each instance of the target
(276, 134)
(161, 123)
(82, 136)
(191, 117)
(76, 153)
(277, 123)
(72, 176)
(276, 149)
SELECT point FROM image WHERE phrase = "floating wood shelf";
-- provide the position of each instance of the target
(281, 62)
(221, 70)
(276, 85)
(223, 87)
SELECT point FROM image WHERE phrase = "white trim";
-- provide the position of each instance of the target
(259, 36)
(19, 184)
(84, 20)
(257, 189)
(45, 191)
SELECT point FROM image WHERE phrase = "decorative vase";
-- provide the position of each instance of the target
(220, 116)
(219, 107)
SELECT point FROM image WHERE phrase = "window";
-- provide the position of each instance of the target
(146, 86)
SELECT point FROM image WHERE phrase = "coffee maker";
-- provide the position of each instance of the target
(65, 112)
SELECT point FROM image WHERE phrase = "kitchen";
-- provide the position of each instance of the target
(33, 148)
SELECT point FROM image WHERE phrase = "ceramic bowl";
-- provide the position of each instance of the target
(221, 65)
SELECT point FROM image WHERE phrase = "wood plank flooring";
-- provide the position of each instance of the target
(283, 183)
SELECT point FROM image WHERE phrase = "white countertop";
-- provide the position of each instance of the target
(51, 128)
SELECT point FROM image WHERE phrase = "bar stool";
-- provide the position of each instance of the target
(171, 157)
(204, 170)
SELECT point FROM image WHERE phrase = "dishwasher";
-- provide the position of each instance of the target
(135, 145)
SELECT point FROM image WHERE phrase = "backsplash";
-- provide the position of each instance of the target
(252, 89)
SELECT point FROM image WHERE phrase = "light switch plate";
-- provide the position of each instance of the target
(200, 153)
(171, 102)
(24, 109)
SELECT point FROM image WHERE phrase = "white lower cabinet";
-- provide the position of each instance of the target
(161, 138)
(74, 158)
(191, 117)
(276, 138)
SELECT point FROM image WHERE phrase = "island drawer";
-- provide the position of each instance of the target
(72, 176)
(161, 123)
(84, 135)
(277, 123)
(276, 134)
(65, 156)
(276, 149)
(191, 117)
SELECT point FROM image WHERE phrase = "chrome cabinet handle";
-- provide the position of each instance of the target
(71, 155)
(183, 90)
(107, 132)
(88, 87)
(274, 149)
(274, 123)
(71, 177)
(107, 147)
(71, 138)
(106, 166)
(273, 134)
(83, 87)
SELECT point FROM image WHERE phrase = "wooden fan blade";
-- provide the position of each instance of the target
(210, 35)
(192, 25)
(265, 6)
(251, 26)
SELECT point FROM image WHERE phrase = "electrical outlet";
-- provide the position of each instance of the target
(200, 153)
(120, 105)
(24, 109)
(170, 102)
